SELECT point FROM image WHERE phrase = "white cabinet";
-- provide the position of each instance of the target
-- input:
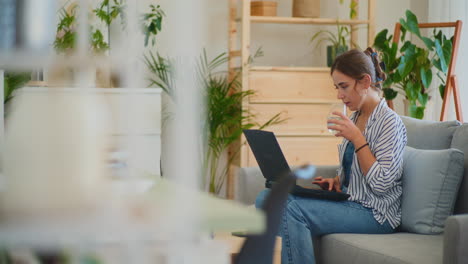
(132, 117)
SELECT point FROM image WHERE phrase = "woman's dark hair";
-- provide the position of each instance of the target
(356, 64)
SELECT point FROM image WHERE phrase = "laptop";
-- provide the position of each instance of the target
(273, 164)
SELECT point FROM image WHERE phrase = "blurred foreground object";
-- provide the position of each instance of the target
(27, 24)
(54, 159)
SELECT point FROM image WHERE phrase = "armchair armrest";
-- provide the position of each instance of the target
(456, 239)
(249, 181)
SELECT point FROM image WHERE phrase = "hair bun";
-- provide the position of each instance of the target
(379, 67)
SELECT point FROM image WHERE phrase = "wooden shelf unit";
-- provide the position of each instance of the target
(303, 20)
(303, 94)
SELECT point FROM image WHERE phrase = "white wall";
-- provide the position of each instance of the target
(451, 10)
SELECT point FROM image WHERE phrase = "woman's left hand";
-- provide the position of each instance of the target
(345, 127)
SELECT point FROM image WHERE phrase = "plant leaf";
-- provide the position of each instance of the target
(428, 42)
(411, 23)
(442, 90)
(426, 77)
(422, 99)
(380, 40)
(389, 93)
(405, 67)
(416, 111)
(440, 54)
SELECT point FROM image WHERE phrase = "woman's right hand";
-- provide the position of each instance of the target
(331, 184)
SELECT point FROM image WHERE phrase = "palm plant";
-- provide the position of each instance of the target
(161, 72)
(224, 118)
(13, 81)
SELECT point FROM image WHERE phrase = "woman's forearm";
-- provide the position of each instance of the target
(364, 155)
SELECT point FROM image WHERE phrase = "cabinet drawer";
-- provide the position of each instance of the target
(134, 113)
(306, 150)
(292, 86)
(301, 119)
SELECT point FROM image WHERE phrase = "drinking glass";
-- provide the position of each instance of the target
(337, 107)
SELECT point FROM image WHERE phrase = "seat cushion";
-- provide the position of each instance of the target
(436, 135)
(460, 141)
(431, 179)
(383, 249)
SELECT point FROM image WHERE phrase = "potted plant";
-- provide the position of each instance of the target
(338, 41)
(106, 12)
(409, 68)
(13, 81)
(225, 118)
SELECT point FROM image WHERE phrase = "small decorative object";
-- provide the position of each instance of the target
(306, 8)
(263, 8)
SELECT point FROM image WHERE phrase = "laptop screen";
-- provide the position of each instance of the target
(267, 152)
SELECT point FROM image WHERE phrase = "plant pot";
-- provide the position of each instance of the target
(263, 8)
(333, 51)
(306, 8)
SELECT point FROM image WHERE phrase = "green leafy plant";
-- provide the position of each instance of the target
(152, 23)
(337, 40)
(13, 81)
(353, 5)
(225, 118)
(5, 257)
(409, 68)
(66, 35)
(161, 72)
(107, 12)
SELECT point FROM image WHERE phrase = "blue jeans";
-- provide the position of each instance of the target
(307, 217)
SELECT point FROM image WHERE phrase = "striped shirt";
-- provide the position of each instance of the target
(381, 188)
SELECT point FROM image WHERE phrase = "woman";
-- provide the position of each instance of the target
(371, 161)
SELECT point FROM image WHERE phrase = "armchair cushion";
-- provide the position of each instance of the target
(431, 179)
(456, 239)
(460, 141)
(424, 134)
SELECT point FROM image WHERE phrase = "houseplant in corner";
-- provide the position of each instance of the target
(410, 68)
(225, 118)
